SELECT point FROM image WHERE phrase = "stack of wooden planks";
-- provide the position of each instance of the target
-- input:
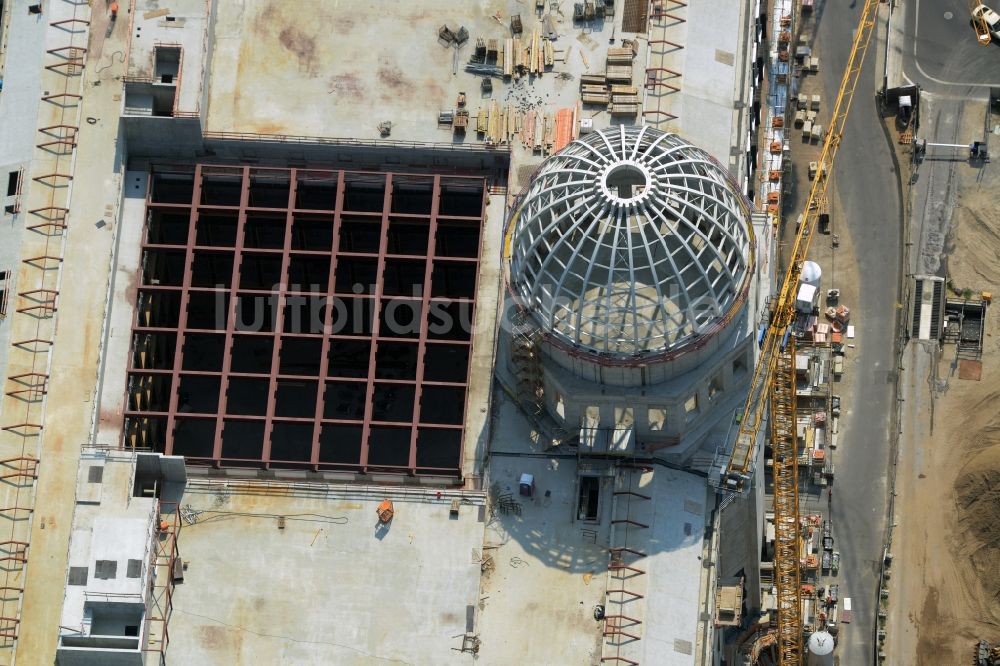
(529, 56)
(564, 131)
(620, 56)
(497, 124)
(528, 130)
(591, 94)
(619, 73)
(624, 100)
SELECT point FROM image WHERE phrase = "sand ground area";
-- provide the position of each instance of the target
(945, 585)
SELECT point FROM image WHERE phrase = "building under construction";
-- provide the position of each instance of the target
(433, 388)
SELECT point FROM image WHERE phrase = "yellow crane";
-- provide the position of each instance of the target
(774, 377)
(979, 22)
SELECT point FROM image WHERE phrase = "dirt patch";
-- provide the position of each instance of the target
(347, 85)
(302, 46)
(977, 496)
(946, 571)
(975, 222)
(392, 77)
(343, 23)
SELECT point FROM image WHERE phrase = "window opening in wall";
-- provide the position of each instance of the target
(13, 182)
(739, 366)
(657, 417)
(691, 405)
(592, 416)
(560, 406)
(4, 291)
(105, 569)
(588, 503)
(624, 417)
(77, 576)
(714, 387)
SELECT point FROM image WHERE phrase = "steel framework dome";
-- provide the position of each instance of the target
(630, 241)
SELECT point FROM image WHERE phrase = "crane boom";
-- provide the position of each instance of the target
(774, 375)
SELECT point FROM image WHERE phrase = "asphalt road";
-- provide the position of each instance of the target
(940, 51)
(867, 188)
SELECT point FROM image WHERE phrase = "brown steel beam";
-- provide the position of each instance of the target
(53, 176)
(227, 347)
(55, 24)
(424, 318)
(21, 429)
(376, 320)
(279, 317)
(31, 344)
(168, 436)
(45, 262)
(338, 209)
(60, 96)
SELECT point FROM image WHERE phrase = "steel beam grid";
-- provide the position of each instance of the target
(288, 213)
(787, 531)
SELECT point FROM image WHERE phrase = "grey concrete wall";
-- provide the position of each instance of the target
(213, 12)
(152, 139)
(81, 657)
(19, 100)
(742, 529)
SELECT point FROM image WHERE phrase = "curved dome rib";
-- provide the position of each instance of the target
(630, 241)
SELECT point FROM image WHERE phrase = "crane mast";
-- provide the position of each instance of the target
(983, 35)
(773, 379)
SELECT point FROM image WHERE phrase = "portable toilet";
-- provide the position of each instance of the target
(805, 301)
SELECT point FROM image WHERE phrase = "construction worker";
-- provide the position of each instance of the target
(114, 11)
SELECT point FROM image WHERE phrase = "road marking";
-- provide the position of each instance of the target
(916, 61)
